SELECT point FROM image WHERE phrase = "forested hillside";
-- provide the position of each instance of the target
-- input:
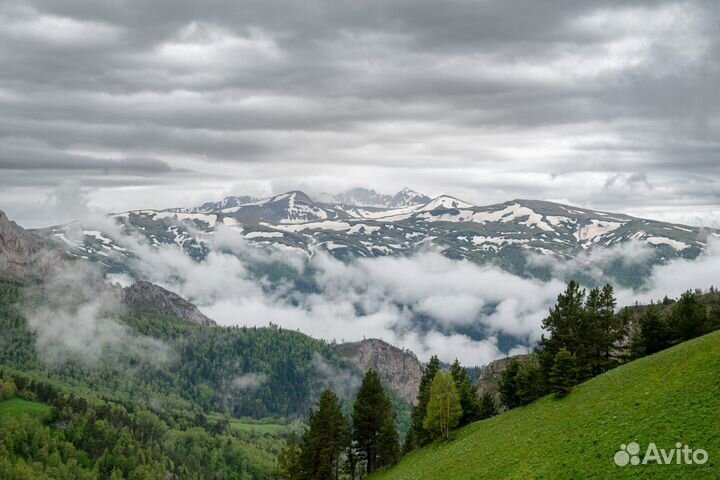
(51, 433)
(256, 372)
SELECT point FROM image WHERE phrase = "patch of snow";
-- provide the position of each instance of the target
(298, 227)
(445, 202)
(264, 235)
(512, 212)
(330, 245)
(595, 229)
(677, 245)
(556, 220)
(231, 222)
(367, 229)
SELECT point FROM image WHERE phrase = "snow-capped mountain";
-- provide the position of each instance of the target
(367, 197)
(507, 234)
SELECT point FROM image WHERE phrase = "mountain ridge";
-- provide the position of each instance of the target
(507, 234)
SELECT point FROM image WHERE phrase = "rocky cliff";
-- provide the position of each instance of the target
(144, 294)
(489, 379)
(398, 369)
(17, 250)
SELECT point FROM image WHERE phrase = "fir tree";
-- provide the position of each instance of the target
(444, 409)
(563, 375)
(466, 390)
(373, 421)
(508, 385)
(653, 335)
(325, 440)
(563, 324)
(288, 460)
(688, 318)
(488, 408)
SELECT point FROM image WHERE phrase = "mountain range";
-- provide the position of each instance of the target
(362, 223)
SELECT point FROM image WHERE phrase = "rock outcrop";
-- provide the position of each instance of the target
(144, 294)
(489, 379)
(398, 369)
(17, 251)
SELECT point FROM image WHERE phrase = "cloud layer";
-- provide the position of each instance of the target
(425, 302)
(610, 105)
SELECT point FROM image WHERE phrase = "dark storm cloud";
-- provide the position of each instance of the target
(600, 103)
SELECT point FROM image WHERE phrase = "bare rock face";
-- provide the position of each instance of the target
(398, 369)
(17, 250)
(489, 380)
(148, 295)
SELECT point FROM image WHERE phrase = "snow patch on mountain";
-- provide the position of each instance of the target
(512, 212)
(445, 202)
(595, 229)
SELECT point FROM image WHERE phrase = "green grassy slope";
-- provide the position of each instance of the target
(670, 397)
(15, 407)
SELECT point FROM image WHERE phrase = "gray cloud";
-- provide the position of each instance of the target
(487, 100)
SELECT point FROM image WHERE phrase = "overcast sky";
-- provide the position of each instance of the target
(114, 105)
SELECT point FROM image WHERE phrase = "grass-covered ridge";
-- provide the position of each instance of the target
(669, 397)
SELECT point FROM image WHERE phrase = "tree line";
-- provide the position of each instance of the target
(585, 337)
(336, 446)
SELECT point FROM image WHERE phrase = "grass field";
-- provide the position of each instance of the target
(15, 407)
(670, 397)
(258, 427)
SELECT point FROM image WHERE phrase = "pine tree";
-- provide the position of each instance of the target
(468, 397)
(529, 382)
(444, 409)
(288, 460)
(612, 328)
(563, 375)
(409, 441)
(325, 440)
(564, 325)
(488, 408)
(373, 420)
(508, 385)
(688, 318)
(420, 436)
(388, 443)
(653, 335)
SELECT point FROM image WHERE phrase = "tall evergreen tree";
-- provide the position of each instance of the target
(653, 335)
(373, 420)
(488, 407)
(444, 409)
(688, 318)
(563, 375)
(508, 385)
(325, 440)
(612, 329)
(420, 436)
(563, 325)
(468, 398)
(288, 460)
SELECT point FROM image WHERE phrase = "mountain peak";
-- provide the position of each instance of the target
(407, 198)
